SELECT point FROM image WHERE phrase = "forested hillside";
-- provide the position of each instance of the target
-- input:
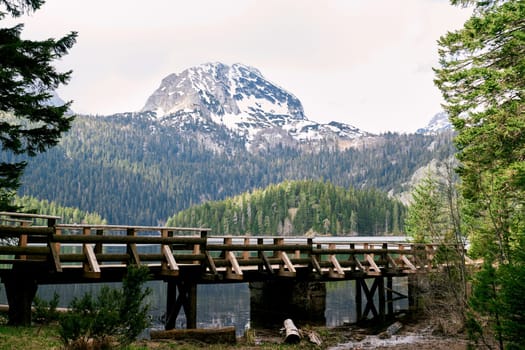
(298, 208)
(131, 169)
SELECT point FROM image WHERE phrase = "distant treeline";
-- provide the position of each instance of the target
(69, 215)
(298, 208)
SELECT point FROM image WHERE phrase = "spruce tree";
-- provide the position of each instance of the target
(29, 124)
(481, 79)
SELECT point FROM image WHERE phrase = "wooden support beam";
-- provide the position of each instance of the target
(132, 248)
(336, 271)
(408, 263)
(91, 268)
(315, 264)
(186, 299)
(233, 271)
(133, 254)
(245, 253)
(359, 265)
(55, 257)
(381, 298)
(390, 296)
(373, 269)
(210, 263)
(286, 268)
(358, 299)
(169, 265)
(98, 245)
(369, 293)
(391, 262)
(266, 263)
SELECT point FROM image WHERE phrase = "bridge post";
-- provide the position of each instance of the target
(20, 288)
(378, 287)
(273, 301)
(186, 300)
(414, 292)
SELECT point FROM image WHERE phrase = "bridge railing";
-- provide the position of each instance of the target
(94, 248)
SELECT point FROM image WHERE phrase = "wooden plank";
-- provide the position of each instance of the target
(136, 228)
(75, 238)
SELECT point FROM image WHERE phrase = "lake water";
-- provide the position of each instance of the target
(221, 305)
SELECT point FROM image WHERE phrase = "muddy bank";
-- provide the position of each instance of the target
(402, 334)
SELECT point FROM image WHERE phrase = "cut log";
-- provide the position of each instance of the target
(211, 336)
(292, 334)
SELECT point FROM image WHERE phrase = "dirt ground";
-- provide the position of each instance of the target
(412, 335)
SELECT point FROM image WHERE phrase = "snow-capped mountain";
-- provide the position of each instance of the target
(245, 105)
(437, 124)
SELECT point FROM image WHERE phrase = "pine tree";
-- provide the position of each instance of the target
(29, 124)
(481, 78)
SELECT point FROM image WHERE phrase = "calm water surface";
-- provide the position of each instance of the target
(221, 305)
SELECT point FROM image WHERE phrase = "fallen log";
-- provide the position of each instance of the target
(206, 335)
(292, 334)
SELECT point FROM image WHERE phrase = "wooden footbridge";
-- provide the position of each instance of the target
(51, 253)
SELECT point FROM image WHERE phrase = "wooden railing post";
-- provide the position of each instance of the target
(90, 265)
(132, 248)
(203, 249)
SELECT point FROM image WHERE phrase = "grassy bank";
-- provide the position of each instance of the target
(47, 338)
(29, 338)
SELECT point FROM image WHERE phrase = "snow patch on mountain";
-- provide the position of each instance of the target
(239, 99)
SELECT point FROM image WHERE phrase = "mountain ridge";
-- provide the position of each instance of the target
(238, 100)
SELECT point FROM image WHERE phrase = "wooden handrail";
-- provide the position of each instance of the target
(224, 257)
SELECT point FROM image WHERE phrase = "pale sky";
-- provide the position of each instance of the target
(367, 63)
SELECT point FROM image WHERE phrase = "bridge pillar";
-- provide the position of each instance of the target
(271, 302)
(20, 289)
(378, 303)
(181, 295)
(415, 289)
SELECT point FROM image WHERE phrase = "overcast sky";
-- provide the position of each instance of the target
(367, 63)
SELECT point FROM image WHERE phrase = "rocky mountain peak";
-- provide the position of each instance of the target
(218, 90)
(239, 100)
(437, 124)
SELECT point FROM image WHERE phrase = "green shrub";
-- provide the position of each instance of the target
(114, 318)
(45, 311)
